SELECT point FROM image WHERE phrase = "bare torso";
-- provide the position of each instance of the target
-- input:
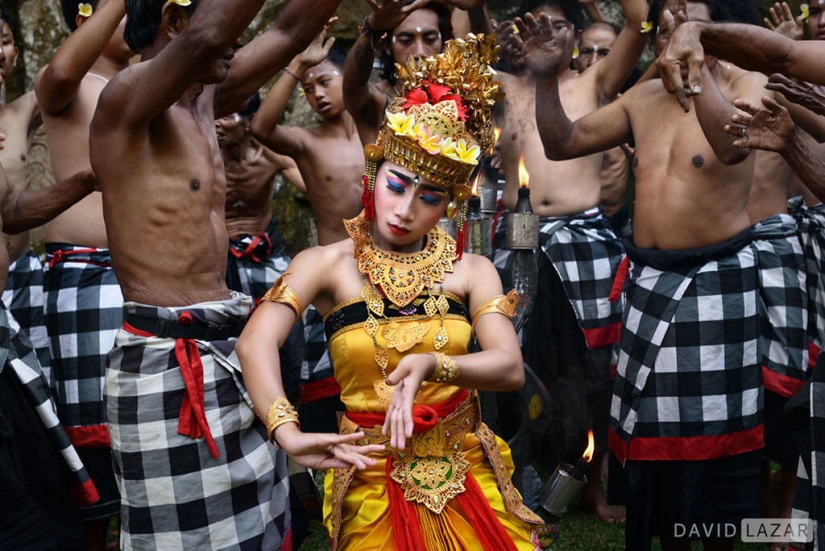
(250, 169)
(332, 165)
(769, 192)
(18, 121)
(68, 133)
(614, 175)
(164, 218)
(685, 196)
(557, 188)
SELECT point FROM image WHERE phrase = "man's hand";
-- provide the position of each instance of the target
(680, 63)
(769, 127)
(541, 43)
(783, 21)
(388, 14)
(318, 49)
(809, 96)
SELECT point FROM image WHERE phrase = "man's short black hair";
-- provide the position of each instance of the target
(8, 19)
(142, 20)
(338, 57)
(571, 9)
(70, 8)
(251, 107)
(445, 27)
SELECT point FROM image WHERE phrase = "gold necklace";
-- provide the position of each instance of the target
(401, 276)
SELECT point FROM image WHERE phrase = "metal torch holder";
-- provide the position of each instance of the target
(561, 489)
(522, 230)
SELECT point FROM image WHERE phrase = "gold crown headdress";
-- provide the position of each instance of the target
(441, 121)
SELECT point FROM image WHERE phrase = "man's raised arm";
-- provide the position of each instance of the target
(197, 36)
(748, 46)
(624, 54)
(57, 83)
(562, 138)
(254, 64)
(770, 127)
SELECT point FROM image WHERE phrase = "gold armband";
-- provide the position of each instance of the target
(281, 292)
(445, 368)
(503, 304)
(280, 412)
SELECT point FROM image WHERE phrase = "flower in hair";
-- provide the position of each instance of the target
(402, 124)
(85, 10)
(647, 26)
(806, 11)
(183, 3)
(430, 142)
(464, 154)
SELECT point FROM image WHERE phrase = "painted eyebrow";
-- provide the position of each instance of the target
(433, 189)
(401, 176)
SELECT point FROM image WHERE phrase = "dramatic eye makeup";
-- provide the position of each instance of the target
(398, 182)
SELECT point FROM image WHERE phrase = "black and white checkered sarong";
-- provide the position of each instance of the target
(83, 311)
(23, 296)
(811, 222)
(17, 354)
(255, 262)
(783, 305)
(688, 380)
(176, 493)
(586, 254)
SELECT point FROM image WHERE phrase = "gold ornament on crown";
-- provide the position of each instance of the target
(441, 121)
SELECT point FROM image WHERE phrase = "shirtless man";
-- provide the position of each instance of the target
(257, 255)
(330, 157)
(399, 29)
(23, 294)
(594, 45)
(331, 160)
(83, 303)
(164, 214)
(575, 364)
(672, 412)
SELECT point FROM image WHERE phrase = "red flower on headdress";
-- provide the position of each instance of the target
(416, 96)
(435, 93)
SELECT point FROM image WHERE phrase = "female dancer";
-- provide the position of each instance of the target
(401, 305)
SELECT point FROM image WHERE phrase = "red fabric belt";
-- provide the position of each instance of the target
(250, 250)
(60, 256)
(424, 417)
(92, 436)
(318, 390)
(192, 417)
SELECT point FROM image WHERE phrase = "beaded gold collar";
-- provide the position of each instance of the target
(400, 276)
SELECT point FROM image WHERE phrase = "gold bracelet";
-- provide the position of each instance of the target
(281, 292)
(445, 368)
(280, 412)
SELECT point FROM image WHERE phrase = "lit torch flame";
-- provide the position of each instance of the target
(591, 446)
(523, 175)
(476, 184)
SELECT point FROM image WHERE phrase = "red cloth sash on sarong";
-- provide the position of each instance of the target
(192, 418)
